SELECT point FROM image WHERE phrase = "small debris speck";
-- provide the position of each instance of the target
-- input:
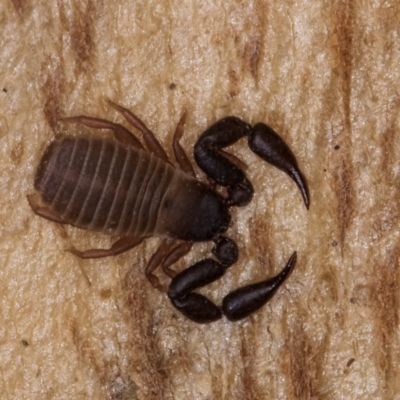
(24, 343)
(4, 90)
(350, 362)
(172, 86)
(337, 147)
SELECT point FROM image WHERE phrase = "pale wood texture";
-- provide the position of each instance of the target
(326, 76)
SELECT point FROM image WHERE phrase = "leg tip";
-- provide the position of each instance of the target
(73, 250)
(115, 105)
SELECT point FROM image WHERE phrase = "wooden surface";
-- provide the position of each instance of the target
(326, 76)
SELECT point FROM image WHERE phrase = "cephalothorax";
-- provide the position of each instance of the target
(117, 187)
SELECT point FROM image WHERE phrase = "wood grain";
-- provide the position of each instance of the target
(326, 76)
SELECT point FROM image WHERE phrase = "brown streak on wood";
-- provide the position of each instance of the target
(17, 152)
(253, 50)
(344, 190)
(20, 6)
(79, 23)
(53, 89)
(386, 305)
(343, 34)
(342, 46)
(389, 141)
(250, 384)
(153, 381)
(299, 372)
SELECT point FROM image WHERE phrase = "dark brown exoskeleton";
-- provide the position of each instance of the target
(116, 187)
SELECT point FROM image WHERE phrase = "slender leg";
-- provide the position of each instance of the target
(120, 132)
(244, 301)
(174, 255)
(120, 246)
(156, 260)
(151, 141)
(233, 159)
(43, 211)
(180, 154)
(165, 257)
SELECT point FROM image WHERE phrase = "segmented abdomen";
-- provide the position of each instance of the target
(102, 185)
